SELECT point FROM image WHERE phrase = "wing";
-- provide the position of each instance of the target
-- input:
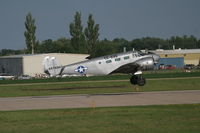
(127, 68)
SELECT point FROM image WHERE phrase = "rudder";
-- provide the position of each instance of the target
(51, 66)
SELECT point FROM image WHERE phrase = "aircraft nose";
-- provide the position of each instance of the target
(156, 58)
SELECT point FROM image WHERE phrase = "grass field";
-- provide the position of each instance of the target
(140, 119)
(148, 75)
(95, 87)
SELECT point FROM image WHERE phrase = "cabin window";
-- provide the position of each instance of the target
(117, 59)
(126, 57)
(108, 61)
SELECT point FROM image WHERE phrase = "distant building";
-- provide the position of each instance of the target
(190, 56)
(178, 62)
(32, 64)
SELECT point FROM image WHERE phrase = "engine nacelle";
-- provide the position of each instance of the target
(146, 63)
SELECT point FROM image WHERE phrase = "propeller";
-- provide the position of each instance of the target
(154, 67)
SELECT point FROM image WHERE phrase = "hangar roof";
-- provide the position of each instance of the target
(46, 54)
(177, 51)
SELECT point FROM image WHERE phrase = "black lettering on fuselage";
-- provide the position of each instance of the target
(56, 67)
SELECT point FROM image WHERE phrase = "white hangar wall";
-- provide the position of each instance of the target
(32, 65)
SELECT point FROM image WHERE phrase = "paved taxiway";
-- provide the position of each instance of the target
(100, 100)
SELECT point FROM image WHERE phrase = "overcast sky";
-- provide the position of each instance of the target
(129, 19)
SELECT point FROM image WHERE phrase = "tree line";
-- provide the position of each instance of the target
(85, 41)
(104, 47)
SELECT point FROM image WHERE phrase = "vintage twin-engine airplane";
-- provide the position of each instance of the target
(128, 62)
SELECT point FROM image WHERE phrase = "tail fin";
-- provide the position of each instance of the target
(51, 66)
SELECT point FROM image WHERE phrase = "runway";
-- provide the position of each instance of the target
(100, 100)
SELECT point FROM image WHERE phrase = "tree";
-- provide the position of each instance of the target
(63, 45)
(30, 33)
(198, 44)
(104, 47)
(122, 43)
(91, 34)
(184, 42)
(76, 31)
(47, 46)
(5, 52)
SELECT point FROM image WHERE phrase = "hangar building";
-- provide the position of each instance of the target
(178, 62)
(32, 64)
(190, 56)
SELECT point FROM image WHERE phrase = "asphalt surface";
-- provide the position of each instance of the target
(100, 100)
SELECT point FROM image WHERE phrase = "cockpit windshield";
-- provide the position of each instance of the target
(144, 53)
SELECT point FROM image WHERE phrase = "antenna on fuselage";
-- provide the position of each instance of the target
(124, 49)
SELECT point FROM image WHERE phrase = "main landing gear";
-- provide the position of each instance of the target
(138, 80)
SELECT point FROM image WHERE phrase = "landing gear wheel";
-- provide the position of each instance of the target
(138, 80)
(134, 79)
(141, 80)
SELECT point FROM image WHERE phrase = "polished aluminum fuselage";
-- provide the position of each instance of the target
(112, 63)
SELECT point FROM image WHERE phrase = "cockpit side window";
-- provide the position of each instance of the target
(117, 59)
(141, 53)
(126, 57)
(135, 55)
(108, 61)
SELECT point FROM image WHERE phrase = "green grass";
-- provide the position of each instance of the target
(140, 119)
(96, 87)
(152, 74)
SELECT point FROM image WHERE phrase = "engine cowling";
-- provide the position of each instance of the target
(146, 63)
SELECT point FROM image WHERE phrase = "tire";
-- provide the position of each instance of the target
(137, 80)
(134, 79)
(141, 81)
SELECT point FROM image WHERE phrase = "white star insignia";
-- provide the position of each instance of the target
(81, 69)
